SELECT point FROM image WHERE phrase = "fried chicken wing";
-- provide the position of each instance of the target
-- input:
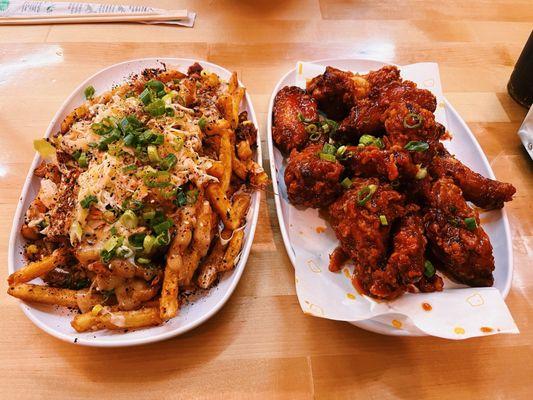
(310, 180)
(457, 240)
(366, 117)
(389, 164)
(336, 91)
(291, 104)
(483, 192)
(357, 219)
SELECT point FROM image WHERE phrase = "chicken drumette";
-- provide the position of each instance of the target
(312, 181)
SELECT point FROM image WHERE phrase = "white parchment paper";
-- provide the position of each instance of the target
(456, 313)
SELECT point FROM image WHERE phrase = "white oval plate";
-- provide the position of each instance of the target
(464, 145)
(56, 320)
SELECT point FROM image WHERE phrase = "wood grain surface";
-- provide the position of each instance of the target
(260, 345)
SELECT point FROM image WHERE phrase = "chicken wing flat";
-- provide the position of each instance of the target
(389, 164)
(310, 180)
(291, 106)
(483, 192)
(458, 242)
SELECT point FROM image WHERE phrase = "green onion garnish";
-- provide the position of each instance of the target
(412, 120)
(129, 219)
(163, 239)
(365, 194)
(416, 146)
(146, 97)
(192, 196)
(169, 161)
(327, 157)
(311, 128)
(329, 149)
(202, 123)
(470, 223)
(340, 151)
(156, 108)
(303, 119)
(153, 155)
(369, 140)
(163, 226)
(88, 200)
(313, 137)
(346, 183)
(144, 261)
(155, 85)
(148, 243)
(136, 240)
(383, 220)
(128, 168)
(157, 179)
(429, 269)
(89, 92)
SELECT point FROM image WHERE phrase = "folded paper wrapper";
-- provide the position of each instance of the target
(526, 132)
(21, 8)
(456, 313)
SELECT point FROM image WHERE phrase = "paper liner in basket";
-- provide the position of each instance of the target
(455, 313)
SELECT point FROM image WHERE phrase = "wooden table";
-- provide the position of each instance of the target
(261, 345)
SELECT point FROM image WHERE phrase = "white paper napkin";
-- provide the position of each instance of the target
(526, 132)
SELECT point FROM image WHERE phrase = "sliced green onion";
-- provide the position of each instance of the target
(82, 160)
(314, 137)
(325, 128)
(303, 119)
(136, 240)
(129, 219)
(157, 179)
(181, 198)
(112, 243)
(383, 220)
(148, 243)
(365, 194)
(333, 126)
(340, 151)
(142, 260)
(155, 85)
(311, 128)
(346, 183)
(417, 118)
(327, 157)
(416, 146)
(128, 168)
(156, 108)
(153, 155)
(421, 173)
(329, 149)
(169, 161)
(146, 97)
(89, 92)
(429, 269)
(163, 239)
(88, 200)
(202, 123)
(149, 214)
(163, 226)
(369, 140)
(169, 111)
(470, 223)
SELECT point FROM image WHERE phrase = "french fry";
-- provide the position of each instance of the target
(168, 304)
(115, 320)
(241, 202)
(219, 201)
(226, 159)
(44, 294)
(217, 127)
(208, 270)
(239, 168)
(216, 170)
(244, 151)
(233, 250)
(35, 269)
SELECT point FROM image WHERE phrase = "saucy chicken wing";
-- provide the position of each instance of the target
(458, 242)
(291, 107)
(483, 192)
(310, 180)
